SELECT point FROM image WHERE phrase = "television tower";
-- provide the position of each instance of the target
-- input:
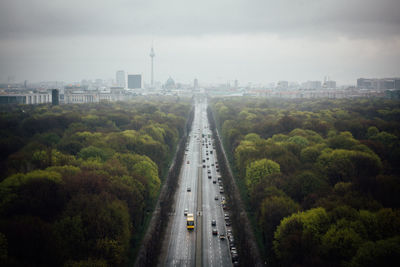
(152, 55)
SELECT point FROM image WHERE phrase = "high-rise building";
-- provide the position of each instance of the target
(120, 78)
(236, 84)
(134, 81)
(55, 97)
(196, 83)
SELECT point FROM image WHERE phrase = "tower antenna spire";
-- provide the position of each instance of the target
(152, 55)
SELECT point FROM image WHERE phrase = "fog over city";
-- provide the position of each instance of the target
(255, 41)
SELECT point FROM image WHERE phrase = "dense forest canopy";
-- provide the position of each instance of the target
(78, 181)
(321, 177)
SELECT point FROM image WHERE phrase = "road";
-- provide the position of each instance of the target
(198, 247)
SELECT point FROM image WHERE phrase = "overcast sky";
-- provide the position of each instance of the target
(256, 41)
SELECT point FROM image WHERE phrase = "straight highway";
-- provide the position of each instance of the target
(200, 192)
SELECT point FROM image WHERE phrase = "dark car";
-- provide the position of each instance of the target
(214, 231)
(213, 222)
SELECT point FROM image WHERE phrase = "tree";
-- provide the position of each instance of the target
(340, 243)
(259, 170)
(92, 152)
(384, 252)
(273, 210)
(298, 238)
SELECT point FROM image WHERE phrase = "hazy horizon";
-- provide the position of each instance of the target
(257, 41)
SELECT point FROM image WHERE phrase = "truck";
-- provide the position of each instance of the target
(190, 221)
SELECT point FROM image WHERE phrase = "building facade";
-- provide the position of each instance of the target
(134, 81)
(378, 84)
(120, 78)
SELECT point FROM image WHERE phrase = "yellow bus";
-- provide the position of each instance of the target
(190, 221)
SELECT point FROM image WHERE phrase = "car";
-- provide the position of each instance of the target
(212, 164)
(214, 231)
(209, 171)
(214, 181)
(228, 223)
(189, 189)
(208, 158)
(213, 222)
(216, 197)
(222, 236)
(221, 191)
(204, 166)
(185, 212)
(188, 162)
(209, 177)
(235, 256)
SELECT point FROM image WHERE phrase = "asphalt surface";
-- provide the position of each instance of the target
(184, 246)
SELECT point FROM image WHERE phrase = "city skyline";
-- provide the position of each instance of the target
(264, 42)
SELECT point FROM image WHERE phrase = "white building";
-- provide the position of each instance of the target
(120, 78)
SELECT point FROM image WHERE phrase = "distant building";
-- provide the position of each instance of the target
(169, 84)
(77, 94)
(283, 84)
(195, 83)
(312, 85)
(330, 84)
(236, 84)
(55, 97)
(134, 81)
(25, 98)
(120, 78)
(378, 84)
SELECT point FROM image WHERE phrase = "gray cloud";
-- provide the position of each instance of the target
(214, 40)
(352, 18)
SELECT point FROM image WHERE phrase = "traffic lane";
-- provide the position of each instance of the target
(181, 251)
(209, 257)
(223, 247)
(213, 246)
(212, 241)
(182, 245)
